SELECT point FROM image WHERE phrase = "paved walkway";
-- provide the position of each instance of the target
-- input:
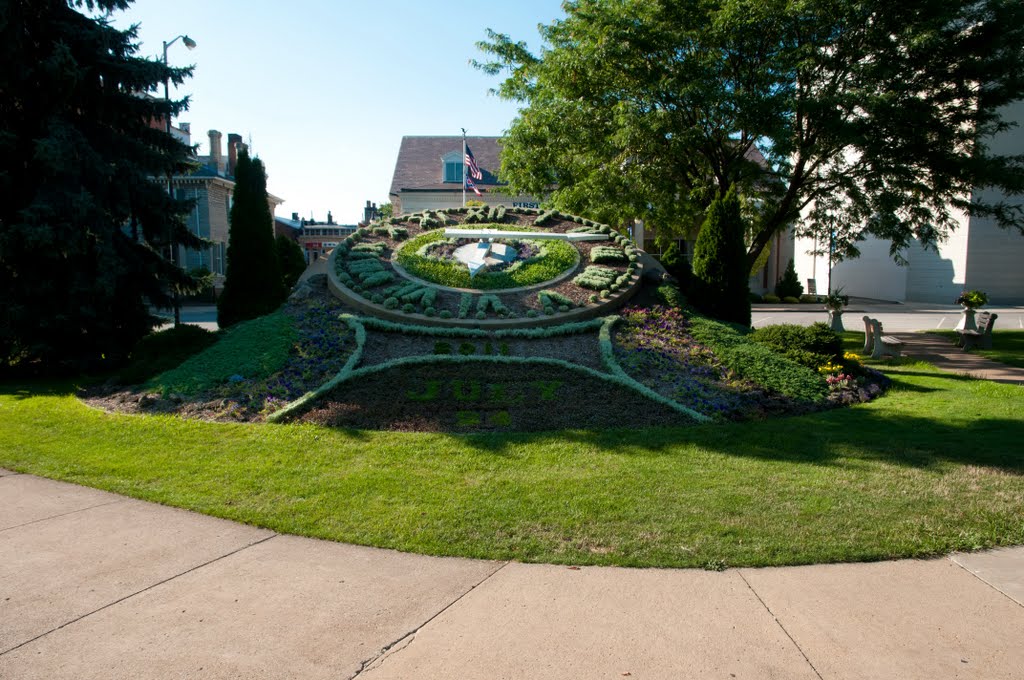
(946, 356)
(94, 585)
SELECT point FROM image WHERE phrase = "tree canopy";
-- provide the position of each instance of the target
(878, 113)
(85, 221)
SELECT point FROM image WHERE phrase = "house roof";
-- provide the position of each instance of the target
(418, 167)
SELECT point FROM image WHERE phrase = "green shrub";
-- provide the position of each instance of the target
(596, 278)
(755, 298)
(811, 346)
(444, 314)
(789, 285)
(464, 303)
(391, 303)
(532, 313)
(378, 279)
(771, 299)
(790, 300)
(481, 315)
(606, 255)
(720, 273)
(549, 310)
(550, 297)
(430, 311)
(442, 348)
(757, 362)
(408, 308)
(467, 348)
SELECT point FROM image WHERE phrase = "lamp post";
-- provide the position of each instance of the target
(190, 44)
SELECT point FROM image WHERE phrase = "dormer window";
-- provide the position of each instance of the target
(452, 166)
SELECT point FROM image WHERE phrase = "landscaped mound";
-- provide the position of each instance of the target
(406, 269)
(318, 361)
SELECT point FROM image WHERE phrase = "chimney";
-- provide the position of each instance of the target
(234, 142)
(370, 212)
(216, 162)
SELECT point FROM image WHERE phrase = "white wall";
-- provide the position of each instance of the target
(872, 275)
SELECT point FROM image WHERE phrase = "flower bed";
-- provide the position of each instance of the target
(540, 261)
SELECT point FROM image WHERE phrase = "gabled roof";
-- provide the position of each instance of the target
(419, 162)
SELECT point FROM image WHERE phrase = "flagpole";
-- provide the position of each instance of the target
(463, 167)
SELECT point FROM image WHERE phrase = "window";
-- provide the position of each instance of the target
(452, 167)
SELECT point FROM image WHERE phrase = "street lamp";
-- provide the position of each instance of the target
(190, 44)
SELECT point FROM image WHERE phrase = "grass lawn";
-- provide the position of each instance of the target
(934, 466)
(1007, 346)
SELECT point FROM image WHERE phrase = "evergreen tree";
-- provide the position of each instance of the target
(676, 264)
(720, 282)
(84, 218)
(290, 260)
(253, 285)
(789, 285)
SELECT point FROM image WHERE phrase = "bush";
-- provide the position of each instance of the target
(757, 362)
(790, 300)
(596, 278)
(789, 285)
(755, 298)
(772, 299)
(811, 346)
(442, 348)
(467, 348)
(445, 314)
(391, 303)
(675, 263)
(606, 255)
(720, 271)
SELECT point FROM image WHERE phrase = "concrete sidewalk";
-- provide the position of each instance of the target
(94, 585)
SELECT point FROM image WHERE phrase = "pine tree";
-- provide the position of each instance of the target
(84, 216)
(720, 283)
(290, 260)
(253, 285)
(789, 285)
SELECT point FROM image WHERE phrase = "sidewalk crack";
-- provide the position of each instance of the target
(986, 582)
(407, 638)
(779, 624)
(137, 592)
(64, 514)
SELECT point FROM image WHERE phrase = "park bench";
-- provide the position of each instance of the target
(982, 337)
(877, 344)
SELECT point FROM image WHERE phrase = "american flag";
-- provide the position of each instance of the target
(470, 185)
(474, 169)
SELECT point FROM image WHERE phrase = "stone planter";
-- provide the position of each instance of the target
(835, 319)
(966, 322)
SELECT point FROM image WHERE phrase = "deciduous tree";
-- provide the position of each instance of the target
(653, 108)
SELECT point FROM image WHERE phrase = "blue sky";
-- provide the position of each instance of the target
(326, 89)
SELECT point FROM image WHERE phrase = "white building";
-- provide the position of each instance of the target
(978, 255)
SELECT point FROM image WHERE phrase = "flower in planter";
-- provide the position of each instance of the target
(837, 299)
(972, 299)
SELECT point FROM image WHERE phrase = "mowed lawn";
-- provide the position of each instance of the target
(934, 466)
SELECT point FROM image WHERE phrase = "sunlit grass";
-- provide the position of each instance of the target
(932, 467)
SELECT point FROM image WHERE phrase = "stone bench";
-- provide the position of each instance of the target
(877, 344)
(968, 339)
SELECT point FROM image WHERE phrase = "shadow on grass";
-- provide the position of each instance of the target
(832, 438)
